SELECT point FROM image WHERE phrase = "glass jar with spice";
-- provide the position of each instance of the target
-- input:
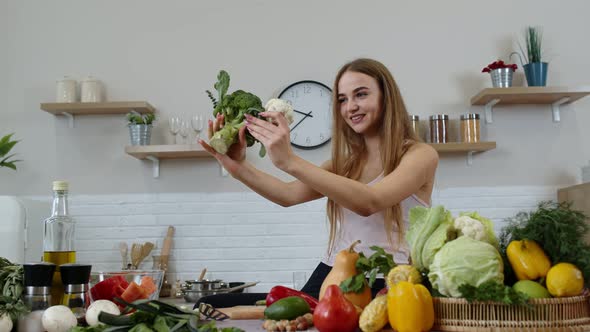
(439, 128)
(470, 128)
(415, 121)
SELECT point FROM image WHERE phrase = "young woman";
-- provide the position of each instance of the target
(379, 168)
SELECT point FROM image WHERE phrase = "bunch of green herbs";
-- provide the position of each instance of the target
(493, 291)
(11, 287)
(150, 316)
(368, 267)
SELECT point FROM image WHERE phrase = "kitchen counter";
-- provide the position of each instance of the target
(249, 325)
(177, 301)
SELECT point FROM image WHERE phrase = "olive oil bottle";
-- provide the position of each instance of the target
(58, 238)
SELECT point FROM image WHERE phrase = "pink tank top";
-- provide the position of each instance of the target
(371, 231)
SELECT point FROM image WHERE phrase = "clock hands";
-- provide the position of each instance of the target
(306, 114)
(305, 117)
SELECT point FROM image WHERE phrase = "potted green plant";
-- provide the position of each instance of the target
(5, 146)
(140, 127)
(535, 70)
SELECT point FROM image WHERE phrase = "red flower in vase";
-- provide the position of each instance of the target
(497, 65)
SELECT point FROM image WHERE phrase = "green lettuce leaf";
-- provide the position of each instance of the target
(423, 222)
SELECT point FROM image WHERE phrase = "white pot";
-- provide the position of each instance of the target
(91, 90)
(66, 90)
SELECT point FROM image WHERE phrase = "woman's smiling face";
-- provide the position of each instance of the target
(359, 100)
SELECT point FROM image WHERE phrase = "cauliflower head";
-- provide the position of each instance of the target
(282, 106)
(470, 227)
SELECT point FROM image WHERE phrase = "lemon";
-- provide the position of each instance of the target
(403, 273)
(565, 279)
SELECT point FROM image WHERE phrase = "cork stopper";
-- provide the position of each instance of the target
(60, 186)
(38, 274)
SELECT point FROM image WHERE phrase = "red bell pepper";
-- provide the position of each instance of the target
(109, 288)
(278, 292)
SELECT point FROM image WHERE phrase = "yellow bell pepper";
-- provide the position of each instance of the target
(410, 307)
(528, 260)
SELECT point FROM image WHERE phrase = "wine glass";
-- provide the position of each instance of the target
(174, 123)
(184, 130)
(197, 124)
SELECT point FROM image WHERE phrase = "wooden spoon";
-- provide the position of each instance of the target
(135, 255)
(146, 249)
(123, 248)
(202, 276)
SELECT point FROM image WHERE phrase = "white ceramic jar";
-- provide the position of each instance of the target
(91, 90)
(66, 90)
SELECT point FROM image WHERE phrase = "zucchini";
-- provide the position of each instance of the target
(287, 308)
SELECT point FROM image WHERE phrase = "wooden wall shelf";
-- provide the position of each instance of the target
(155, 153)
(469, 148)
(112, 107)
(540, 95)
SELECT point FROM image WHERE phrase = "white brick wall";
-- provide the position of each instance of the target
(241, 236)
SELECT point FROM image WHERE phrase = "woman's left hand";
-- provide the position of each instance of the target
(274, 135)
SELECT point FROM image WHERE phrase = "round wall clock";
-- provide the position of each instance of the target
(312, 104)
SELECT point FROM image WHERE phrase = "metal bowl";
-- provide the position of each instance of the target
(192, 296)
(203, 285)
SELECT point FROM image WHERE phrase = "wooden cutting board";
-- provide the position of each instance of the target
(244, 312)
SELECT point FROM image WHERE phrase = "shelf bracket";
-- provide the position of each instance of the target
(70, 117)
(469, 158)
(488, 109)
(555, 108)
(155, 165)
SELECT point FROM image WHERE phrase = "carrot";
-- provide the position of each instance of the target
(133, 292)
(148, 285)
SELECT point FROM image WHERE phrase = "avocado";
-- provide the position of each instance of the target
(287, 308)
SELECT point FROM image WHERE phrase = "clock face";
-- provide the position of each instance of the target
(312, 121)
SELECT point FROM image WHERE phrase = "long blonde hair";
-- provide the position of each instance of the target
(349, 150)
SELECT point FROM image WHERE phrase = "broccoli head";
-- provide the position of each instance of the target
(233, 107)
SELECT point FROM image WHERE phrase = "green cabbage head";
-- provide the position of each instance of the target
(423, 223)
(465, 261)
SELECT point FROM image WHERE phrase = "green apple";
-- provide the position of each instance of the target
(531, 288)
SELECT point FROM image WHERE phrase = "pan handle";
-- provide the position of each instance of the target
(246, 285)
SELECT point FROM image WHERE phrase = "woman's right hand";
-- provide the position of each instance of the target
(236, 153)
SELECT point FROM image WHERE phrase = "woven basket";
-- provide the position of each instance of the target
(557, 314)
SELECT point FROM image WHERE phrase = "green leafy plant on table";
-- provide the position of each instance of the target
(11, 289)
(152, 315)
